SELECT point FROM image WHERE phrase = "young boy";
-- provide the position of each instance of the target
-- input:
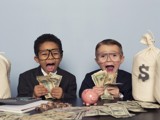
(48, 53)
(109, 56)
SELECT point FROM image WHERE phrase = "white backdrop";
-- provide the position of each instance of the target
(80, 24)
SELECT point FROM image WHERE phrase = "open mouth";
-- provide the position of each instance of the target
(50, 67)
(110, 68)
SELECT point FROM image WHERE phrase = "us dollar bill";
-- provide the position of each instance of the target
(11, 116)
(110, 78)
(99, 78)
(132, 106)
(107, 96)
(50, 81)
(104, 79)
(148, 105)
(119, 111)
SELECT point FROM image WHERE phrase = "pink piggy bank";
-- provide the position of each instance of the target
(89, 97)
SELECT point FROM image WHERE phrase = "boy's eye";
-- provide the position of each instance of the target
(102, 56)
(114, 55)
(55, 53)
(43, 53)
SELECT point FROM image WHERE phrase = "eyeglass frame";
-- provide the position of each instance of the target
(108, 54)
(50, 52)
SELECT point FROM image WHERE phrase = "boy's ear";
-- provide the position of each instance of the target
(36, 59)
(95, 60)
(122, 59)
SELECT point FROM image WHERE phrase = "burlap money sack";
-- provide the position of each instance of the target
(143, 70)
(157, 80)
(5, 67)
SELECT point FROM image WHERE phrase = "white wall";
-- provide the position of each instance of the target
(80, 24)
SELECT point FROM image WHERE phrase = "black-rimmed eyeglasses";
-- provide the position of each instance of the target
(45, 54)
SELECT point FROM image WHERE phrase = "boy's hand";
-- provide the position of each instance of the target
(98, 90)
(40, 90)
(113, 91)
(57, 92)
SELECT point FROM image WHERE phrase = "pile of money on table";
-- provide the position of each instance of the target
(121, 109)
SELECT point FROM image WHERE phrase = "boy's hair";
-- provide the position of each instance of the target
(109, 42)
(47, 38)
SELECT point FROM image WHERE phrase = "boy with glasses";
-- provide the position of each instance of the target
(48, 53)
(109, 56)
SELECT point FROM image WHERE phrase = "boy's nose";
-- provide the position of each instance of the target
(50, 56)
(108, 58)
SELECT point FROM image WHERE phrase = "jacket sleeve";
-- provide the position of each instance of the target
(87, 83)
(70, 88)
(25, 87)
(126, 88)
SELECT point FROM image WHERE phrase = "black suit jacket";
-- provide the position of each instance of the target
(123, 77)
(27, 82)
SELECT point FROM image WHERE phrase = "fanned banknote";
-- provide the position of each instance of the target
(104, 79)
(99, 78)
(11, 116)
(148, 105)
(119, 111)
(132, 106)
(110, 78)
(50, 81)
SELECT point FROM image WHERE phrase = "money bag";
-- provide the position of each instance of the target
(143, 70)
(89, 96)
(5, 67)
(157, 80)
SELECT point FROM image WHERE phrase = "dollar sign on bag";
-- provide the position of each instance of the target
(143, 75)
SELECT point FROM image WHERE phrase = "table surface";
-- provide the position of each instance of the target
(153, 114)
(149, 115)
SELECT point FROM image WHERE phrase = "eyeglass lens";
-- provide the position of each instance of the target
(102, 57)
(45, 54)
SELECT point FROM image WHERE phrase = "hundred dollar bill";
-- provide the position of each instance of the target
(106, 95)
(105, 111)
(102, 110)
(104, 79)
(132, 106)
(119, 111)
(110, 78)
(11, 116)
(55, 114)
(99, 78)
(56, 79)
(91, 112)
(148, 105)
(50, 81)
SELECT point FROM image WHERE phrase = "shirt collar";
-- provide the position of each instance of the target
(44, 73)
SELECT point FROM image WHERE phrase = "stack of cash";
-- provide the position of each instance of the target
(77, 113)
(148, 105)
(121, 109)
(50, 81)
(104, 79)
(139, 106)
(11, 116)
(132, 106)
